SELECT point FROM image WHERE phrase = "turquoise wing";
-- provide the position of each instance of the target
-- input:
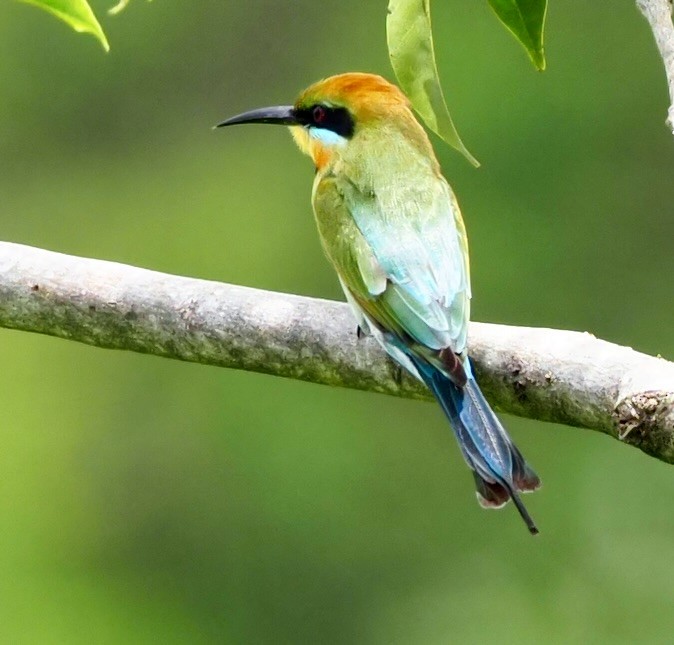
(417, 241)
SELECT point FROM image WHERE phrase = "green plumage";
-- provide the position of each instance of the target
(392, 229)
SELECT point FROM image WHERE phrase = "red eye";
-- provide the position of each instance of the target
(318, 114)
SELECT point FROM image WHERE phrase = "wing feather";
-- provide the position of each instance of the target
(402, 258)
(419, 243)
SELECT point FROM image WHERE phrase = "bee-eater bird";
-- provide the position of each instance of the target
(391, 227)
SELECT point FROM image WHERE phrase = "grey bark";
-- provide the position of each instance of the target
(551, 375)
(659, 16)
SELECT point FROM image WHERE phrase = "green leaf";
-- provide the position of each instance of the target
(410, 48)
(77, 13)
(525, 19)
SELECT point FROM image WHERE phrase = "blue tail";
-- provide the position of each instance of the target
(498, 467)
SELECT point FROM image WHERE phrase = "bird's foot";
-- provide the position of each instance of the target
(361, 332)
(397, 372)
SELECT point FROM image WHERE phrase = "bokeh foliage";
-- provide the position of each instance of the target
(144, 500)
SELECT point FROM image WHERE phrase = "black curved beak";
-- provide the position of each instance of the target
(279, 114)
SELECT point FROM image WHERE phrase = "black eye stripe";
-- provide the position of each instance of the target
(337, 119)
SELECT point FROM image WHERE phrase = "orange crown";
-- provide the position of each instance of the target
(367, 96)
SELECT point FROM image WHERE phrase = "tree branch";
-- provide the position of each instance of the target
(546, 374)
(659, 16)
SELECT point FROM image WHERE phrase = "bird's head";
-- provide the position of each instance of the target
(339, 112)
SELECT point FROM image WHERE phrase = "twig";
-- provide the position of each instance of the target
(659, 16)
(551, 375)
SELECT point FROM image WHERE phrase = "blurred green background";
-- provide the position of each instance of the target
(144, 500)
